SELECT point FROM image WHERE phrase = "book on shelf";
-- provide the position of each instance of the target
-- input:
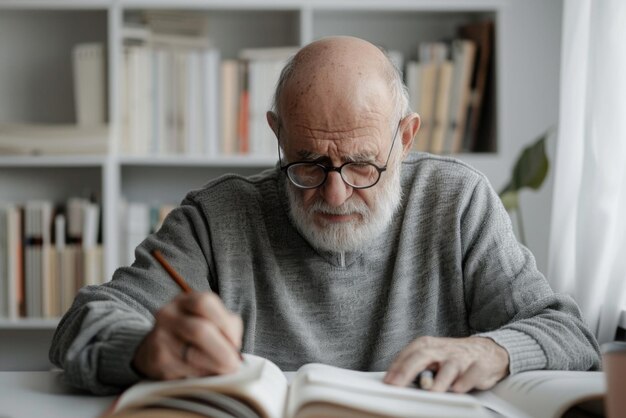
(441, 107)
(260, 389)
(433, 76)
(49, 253)
(12, 270)
(243, 109)
(463, 55)
(10, 253)
(37, 242)
(52, 139)
(229, 105)
(482, 34)
(170, 93)
(89, 83)
(248, 85)
(264, 68)
(449, 86)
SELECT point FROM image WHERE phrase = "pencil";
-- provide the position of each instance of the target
(178, 279)
(425, 379)
(170, 270)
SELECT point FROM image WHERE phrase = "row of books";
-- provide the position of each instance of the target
(168, 102)
(47, 253)
(180, 97)
(187, 100)
(448, 86)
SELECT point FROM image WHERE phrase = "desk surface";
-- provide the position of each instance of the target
(45, 394)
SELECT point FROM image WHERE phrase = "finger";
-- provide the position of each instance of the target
(211, 307)
(419, 344)
(216, 359)
(219, 354)
(180, 366)
(212, 352)
(404, 371)
(474, 378)
(448, 373)
(164, 358)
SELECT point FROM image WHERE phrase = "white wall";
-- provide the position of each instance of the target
(531, 33)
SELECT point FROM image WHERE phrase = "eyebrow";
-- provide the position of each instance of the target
(306, 155)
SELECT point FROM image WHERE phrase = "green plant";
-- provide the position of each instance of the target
(529, 171)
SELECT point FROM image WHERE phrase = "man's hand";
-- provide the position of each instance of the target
(461, 364)
(194, 335)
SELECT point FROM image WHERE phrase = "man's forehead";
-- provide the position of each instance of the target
(363, 149)
(348, 156)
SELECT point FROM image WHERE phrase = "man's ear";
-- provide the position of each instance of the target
(272, 120)
(411, 125)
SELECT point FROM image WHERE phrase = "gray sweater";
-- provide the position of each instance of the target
(448, 265)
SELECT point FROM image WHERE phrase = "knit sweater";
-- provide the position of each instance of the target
(448, 265)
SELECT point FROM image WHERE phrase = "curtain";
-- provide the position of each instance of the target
(587, 249)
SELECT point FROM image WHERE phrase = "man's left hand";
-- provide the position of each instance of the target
(461, 364)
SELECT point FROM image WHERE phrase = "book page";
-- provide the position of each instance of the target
(544, 393)
(319, 389)
(258, 382)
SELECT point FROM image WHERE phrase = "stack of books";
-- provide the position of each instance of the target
(169, 87)
(46, 254)
(180, 98)
(248, 85)
(448, 86)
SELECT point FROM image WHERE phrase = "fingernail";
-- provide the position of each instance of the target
(390, 377)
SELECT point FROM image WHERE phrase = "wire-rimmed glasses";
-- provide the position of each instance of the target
(312, 174)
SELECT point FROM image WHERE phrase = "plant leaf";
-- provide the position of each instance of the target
(532, 166)
(530, 170)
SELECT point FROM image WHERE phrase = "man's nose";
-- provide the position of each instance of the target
(335, 191)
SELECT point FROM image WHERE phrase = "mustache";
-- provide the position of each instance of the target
(349, 207)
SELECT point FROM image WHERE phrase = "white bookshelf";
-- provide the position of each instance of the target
(36, 38)
(29, 323)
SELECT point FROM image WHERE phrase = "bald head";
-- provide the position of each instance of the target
(337, 78)
(340, 102)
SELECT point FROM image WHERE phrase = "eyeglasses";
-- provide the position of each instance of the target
(311, 174)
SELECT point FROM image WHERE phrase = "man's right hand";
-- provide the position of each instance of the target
(194, 335)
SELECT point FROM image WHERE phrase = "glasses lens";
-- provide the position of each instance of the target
(360, 174)
(306, 174)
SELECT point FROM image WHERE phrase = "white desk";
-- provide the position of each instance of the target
(45, 395)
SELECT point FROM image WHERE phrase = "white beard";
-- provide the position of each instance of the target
(353, 235)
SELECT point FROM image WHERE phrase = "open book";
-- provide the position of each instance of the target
(261, 389)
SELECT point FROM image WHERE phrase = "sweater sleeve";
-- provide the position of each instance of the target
(510, 301)
(96, 339)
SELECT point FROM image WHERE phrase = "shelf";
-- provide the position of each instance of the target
(28, 323)
(52, 161)
(426, 5)
(58, 4)
(199, 161)
(247, 5)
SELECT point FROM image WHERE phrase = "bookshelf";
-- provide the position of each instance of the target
(37, 37)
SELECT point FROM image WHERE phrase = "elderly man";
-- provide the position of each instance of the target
(352, 252)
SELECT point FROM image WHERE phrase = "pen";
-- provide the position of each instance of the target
(178, 279)
(425, 379)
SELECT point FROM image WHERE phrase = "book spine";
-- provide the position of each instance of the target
(89, 84)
